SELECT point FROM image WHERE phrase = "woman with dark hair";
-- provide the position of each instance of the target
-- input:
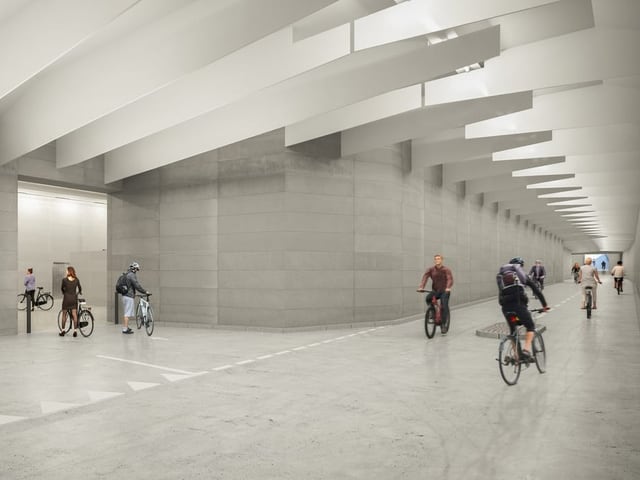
(70, 289)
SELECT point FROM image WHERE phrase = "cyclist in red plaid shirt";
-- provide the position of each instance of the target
(441, 283)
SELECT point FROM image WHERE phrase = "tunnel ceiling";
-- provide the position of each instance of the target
(530, 104)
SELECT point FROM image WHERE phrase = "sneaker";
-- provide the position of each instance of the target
(127, 331)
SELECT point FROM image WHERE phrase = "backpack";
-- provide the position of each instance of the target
(122, 286)
(506, 278)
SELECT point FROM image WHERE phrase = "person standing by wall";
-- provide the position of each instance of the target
(128, 302)
(70, 289)
(30, 286)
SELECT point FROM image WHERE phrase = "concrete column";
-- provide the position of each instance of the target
(8, 248)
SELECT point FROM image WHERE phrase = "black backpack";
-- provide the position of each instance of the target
(122, 287)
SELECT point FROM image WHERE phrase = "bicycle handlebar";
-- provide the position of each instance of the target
(143, 295)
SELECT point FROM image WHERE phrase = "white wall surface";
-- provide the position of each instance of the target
(59, 225)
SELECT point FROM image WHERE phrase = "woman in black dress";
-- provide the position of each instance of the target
(70, 289)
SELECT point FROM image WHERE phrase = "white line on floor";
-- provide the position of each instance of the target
(159, 367)
(223, 367)
(244, 362)
(264, 357)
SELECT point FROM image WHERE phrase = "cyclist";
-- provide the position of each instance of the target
(618, 274)
(128, 303)
(588, 277)
(512, 279)
(575, 270)
(441, 283)
(538, 273)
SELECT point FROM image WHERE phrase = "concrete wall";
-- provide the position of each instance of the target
(8, 249)
(631, 259)
(256, 235)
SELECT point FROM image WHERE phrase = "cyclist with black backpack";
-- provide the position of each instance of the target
(512, 279)
(128, 288)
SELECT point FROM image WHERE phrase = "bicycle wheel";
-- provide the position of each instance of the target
(139, 317)
(85, 323)
(45, 302)
(508, 360)
(430, 322)
(539, 352)
(588, 304)
(148, 324)
(22, 301)
(444, 325)
(618, 286)
(68, 323)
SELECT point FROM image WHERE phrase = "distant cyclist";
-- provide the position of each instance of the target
(538, 273)
(618, 274)
(441, 283)
(511, 280)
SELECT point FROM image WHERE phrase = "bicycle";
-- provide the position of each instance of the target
(588, 300)
(433, 317)
(43, 300)
(85, 319)
(144, 314)
(510, 358)
(618, 284)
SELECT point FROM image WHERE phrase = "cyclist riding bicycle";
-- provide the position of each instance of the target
(618, 274)
(441, 283)
(511, 280)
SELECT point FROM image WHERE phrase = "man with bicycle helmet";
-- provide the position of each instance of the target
(128, 302)
(511, 280)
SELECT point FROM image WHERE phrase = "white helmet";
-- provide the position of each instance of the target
(134, 266)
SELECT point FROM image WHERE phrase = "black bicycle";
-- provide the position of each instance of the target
(433, 317)
(588, 303)
(85, 319)
(618, 284)
(510, 358)
(43, 300)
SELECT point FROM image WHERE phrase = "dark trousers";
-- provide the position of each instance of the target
(32, 295)
(444, 302)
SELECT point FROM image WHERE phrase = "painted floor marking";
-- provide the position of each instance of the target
(264, 357)
(245, 362)
(223, 367)
(150, 365)
(159, 338)
(136, 386)
(10, 418)
(283, 352)
(299, 348)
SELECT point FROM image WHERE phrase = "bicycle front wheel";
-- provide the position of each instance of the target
(45, 302)
(139, 317)
(430, 322)
(22, 301)
(148, 324)
(85, 323)
(68, 322)
(539, 352)
(508, 360)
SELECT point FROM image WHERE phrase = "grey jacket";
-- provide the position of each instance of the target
(133, 285)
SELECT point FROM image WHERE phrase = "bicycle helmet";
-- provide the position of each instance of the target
(518, 260)
(134, 266)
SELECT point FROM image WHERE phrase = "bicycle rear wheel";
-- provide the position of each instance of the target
(85, 323)
(539, 352)
(139, 317)
(45, 302)
(588, 304)
(148, 324)
(22, 301)
(68, 322)
(618, 286)
(430, 322)
(508, 360)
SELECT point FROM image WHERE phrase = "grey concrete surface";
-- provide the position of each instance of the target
(377, 402)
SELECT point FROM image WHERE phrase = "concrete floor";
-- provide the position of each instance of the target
(374, 402)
